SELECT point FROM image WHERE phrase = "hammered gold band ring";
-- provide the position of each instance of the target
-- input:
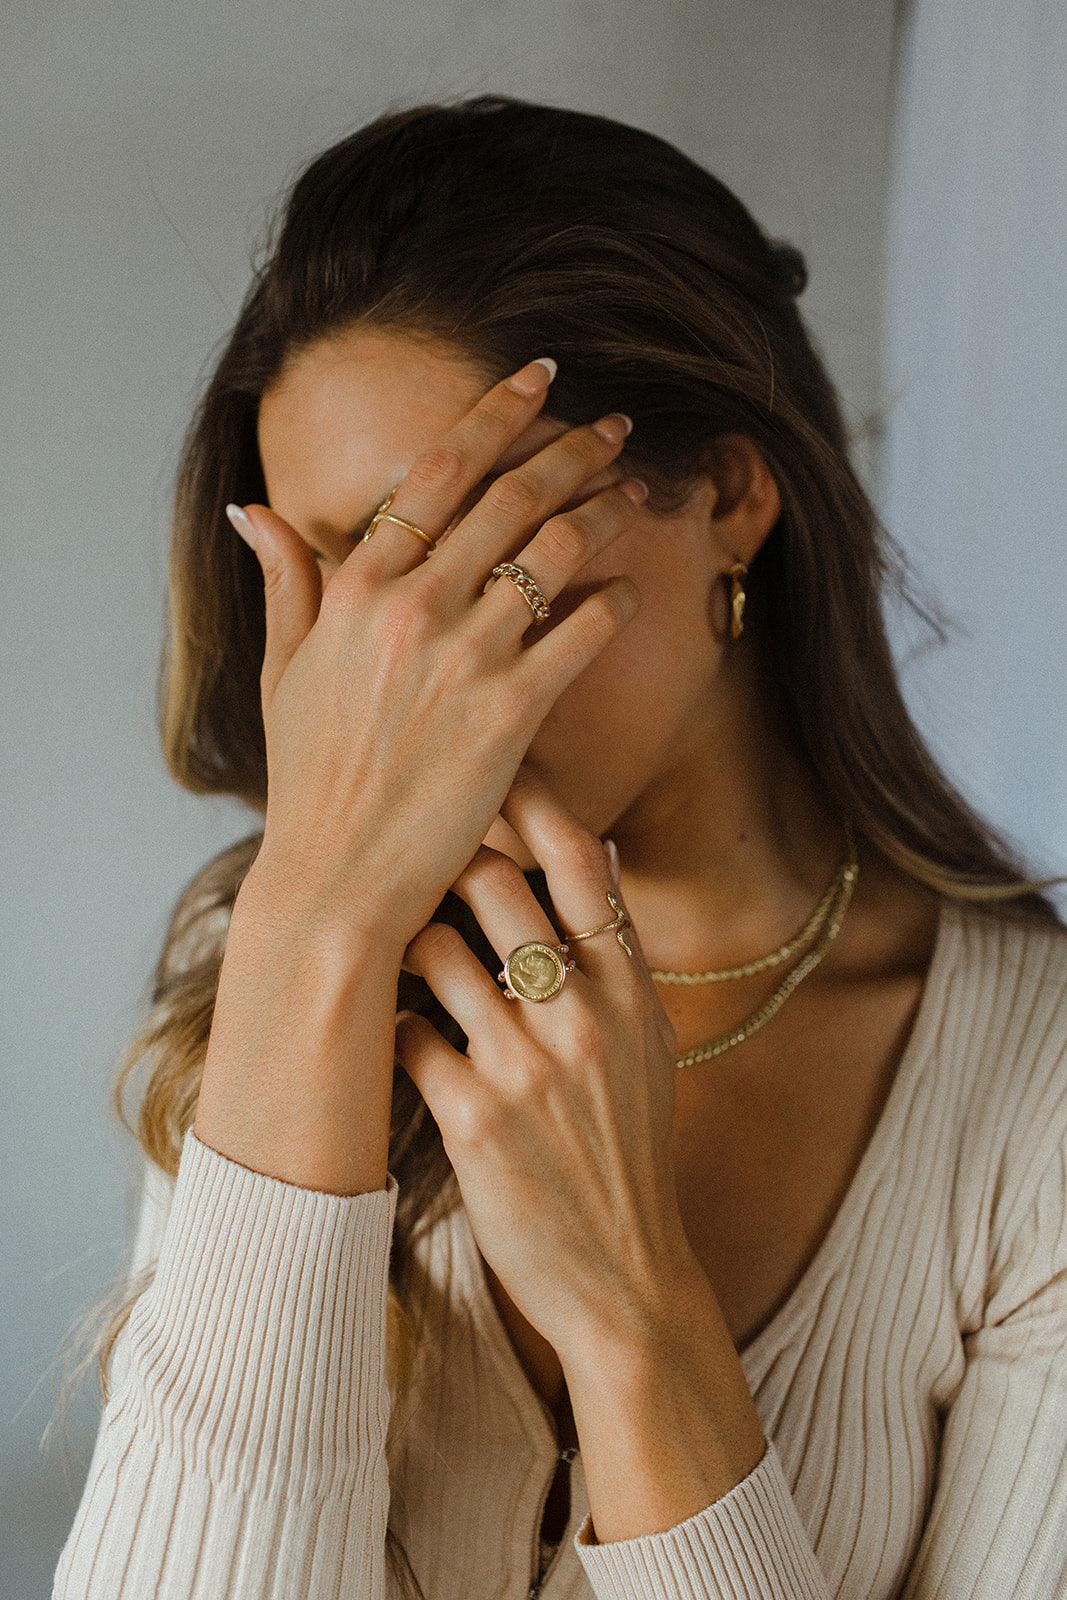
(537, 971)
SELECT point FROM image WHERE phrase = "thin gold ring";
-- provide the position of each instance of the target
(621, 921)
(383, 514)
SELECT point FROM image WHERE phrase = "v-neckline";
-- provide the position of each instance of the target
(757, 1353)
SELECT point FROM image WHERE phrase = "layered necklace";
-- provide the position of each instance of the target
(823, 926)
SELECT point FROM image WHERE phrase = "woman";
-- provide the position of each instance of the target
(707, 1168)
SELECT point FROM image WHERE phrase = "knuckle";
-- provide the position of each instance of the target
(436, 942)
(494, 415)
(438, 470)
(471, 1120)
(568, 540)
(512, 497)
(429, 591)
(596, 620)
(586, 857)
(274, 585)
(588, 449)
(491, 867)
(396, 628)
(529, 1078)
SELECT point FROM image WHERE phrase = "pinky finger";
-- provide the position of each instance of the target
(548, 666)
(441, 1075)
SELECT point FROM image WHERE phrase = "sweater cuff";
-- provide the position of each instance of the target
(749, 1545)
(257, 1354)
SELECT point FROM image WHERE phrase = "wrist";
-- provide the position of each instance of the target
(298, 1077)
(665, 1418)
(280, 898)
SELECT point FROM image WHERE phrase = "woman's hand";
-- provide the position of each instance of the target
(399, 703)
(559, 1124)
(558, 1120)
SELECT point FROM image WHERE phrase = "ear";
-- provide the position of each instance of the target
(745, 499)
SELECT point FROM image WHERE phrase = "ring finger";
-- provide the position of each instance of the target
(565, 544)
(536, 961)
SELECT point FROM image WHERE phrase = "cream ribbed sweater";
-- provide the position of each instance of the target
(914, 1385)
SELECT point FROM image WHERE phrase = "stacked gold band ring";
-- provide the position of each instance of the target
(524, 581)
(537, 971)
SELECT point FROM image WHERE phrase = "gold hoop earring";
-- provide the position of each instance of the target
(738, 574)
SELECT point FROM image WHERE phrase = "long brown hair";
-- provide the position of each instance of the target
(510, 229)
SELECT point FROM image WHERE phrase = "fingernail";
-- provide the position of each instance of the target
(611, 850)
(635, 489)
(614, 428)
(532, 379)
(242, 523)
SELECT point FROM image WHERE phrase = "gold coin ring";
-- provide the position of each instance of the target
(535, 971)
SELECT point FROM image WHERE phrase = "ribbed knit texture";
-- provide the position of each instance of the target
(914, 1385)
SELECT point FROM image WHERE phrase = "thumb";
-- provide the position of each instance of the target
(292, 586)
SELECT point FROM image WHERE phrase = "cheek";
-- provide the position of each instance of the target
(638, 696)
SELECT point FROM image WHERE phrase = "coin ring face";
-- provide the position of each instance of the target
(535, 971)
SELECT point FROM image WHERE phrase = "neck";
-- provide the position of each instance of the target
(725, 855)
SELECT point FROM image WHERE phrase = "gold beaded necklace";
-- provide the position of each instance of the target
(827, 916)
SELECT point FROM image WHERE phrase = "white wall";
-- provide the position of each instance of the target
(142, 143)
(976, 445)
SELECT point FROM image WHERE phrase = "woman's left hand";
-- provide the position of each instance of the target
(559, 1119)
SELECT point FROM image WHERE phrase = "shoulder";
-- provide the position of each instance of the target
(1006, 997)
(1002, 1041)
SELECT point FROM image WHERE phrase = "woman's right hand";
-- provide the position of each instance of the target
(399, 703)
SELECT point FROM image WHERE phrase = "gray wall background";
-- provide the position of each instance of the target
(142, 145)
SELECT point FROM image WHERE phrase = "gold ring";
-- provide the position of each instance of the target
(527, 585)
(535, 971)
(621, 921)
(383, 514)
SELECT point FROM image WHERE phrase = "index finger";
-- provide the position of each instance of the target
(439, 480)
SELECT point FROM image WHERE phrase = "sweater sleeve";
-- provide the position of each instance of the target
(749, 1545)
(242, 1453)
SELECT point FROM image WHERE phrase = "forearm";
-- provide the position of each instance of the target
(664, 1415)
(298, 1078)
(244, 1447)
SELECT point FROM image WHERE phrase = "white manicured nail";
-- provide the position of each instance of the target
(242, 524)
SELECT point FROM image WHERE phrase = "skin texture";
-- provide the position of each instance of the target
(623, 1215)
